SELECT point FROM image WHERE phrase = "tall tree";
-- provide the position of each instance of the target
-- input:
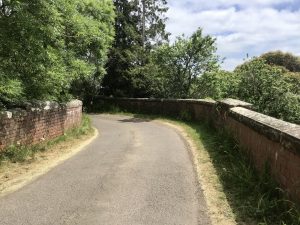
(90, 38)
(180, 65)
(140, 25)
(153, 27)
(46, 45)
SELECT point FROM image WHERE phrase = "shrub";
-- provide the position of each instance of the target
(269, 89)
(218, 84)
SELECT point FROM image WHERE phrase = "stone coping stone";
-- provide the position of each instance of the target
(196, 101)
(74, 104)
(287, 134)
(230, 103)
(37, 107)
(5, 115)
(46, 105)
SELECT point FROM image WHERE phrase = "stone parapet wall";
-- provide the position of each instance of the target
(37, 122)
(267, 140)
(195, 109)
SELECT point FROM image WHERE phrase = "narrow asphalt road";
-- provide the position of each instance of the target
(135, 173)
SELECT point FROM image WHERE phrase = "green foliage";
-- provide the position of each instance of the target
(84, 129)
(46, 45)
(294, 80)
(286, 60)
(58, 49)
(152, 22)
(140, 26)
(178, 66)
(11, 90)
(93, 37)
(254, 198)
(16, 153)
(218, 85)
(269, 90)
(185, 115)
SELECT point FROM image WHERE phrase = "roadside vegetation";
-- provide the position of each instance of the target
(255, 198)
(60, 50)
(189, 67)
(22, 153)
(49, 50)
(63, 49)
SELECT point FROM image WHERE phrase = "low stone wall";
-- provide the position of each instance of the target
(201, 109)
(271, 141)
(268, 141)
(38, 122)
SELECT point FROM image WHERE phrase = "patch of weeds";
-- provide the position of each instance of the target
(20, 153)
(185, 115)
(17, 153)
(254, 198)
(84, 129)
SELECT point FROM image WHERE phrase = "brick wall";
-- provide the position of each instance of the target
(38, 122)
(267, 140)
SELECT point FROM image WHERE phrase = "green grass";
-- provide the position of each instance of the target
(254, 198)
(18, 153)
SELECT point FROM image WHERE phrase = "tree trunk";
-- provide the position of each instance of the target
(143, 22)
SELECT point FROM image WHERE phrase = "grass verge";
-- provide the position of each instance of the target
(19, 154)
(254, 198)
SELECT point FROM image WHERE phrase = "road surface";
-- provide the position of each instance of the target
(136, 172)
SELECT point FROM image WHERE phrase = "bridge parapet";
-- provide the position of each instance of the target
(268, 141)
(38, 121)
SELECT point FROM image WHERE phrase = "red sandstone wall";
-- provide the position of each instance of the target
(38, 123)
(284, 164)
(267, 140)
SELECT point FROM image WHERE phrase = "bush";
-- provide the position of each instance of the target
(269, 89)
(286, 60)
(218, 85)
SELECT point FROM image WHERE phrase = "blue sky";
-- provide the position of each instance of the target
(241, 26)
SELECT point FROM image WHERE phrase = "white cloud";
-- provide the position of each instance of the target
(251, 27)
(204, 4)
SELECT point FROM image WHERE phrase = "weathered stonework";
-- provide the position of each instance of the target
(230, 103)
(39, 121)
(285, 133)
(267, 140)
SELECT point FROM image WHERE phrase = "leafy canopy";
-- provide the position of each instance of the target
(269, 90)
(140, 27)
(286, 60)
(46, 45)
(180, 65)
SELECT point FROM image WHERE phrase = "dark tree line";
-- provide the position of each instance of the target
(139, 27)
(61, 49)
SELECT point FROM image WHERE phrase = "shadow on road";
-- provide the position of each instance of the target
(135, 120)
